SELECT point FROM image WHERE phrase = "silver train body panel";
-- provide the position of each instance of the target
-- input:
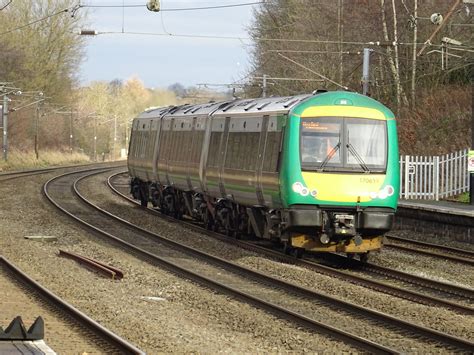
(224, 150)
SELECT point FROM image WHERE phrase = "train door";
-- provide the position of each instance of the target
(132, 151)
(165, 148)
(223, 149)
(260, 160)
(171, 145)
(191, 166)
(156, 148)
(149, 136)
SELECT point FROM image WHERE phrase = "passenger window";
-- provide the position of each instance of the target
(232, 151)
(214, 149)
(272, 150)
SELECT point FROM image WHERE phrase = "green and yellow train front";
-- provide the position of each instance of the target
(339, 175)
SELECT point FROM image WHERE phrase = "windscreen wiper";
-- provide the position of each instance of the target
(330, 155)
(358, 157)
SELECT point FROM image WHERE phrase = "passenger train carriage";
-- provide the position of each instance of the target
(314, 172)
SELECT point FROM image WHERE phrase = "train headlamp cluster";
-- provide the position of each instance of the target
(299, 188)
(387, 191)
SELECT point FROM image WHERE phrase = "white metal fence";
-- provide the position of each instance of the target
(432, 178)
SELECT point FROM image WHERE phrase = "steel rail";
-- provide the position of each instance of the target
(329, 271)
(121, 344)
(428, 333)
(20, 174)
(312, 324)
(10, 175)
(431, 254)
(97, 266)
(28, 171)
(293, 288)
(435, 285)
(461, 252)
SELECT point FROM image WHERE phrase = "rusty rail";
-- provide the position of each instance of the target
(97, 266)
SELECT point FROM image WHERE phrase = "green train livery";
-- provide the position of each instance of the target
(313, 172)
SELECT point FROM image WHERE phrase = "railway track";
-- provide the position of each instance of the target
(309, 308)
(430, 249)
(12, 175)
(74, 331)
(448, 291)
(24, 173)
(411, 287)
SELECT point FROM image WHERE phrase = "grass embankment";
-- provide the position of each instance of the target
(20, 160)
(464, 198)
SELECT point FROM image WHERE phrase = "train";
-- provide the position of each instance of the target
(315, 172)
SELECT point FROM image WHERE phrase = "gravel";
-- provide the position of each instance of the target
(156, 310)
(425, 266)
(437, 318)
(431, 238)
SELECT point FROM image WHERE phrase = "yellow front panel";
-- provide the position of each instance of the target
(310, 244)
(343, 187)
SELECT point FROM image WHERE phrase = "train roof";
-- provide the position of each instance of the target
(243, 106)
(262, 105)
(154, 112)
(197, 109)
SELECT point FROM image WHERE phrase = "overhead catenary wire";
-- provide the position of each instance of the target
(288, 79)
(242, 38)
(292, 91)
(163, 23)
(75, 8)
(425, 56)
(34, 22)
(307, 51)
(252, 72)
(439, 71)
(314, 72)
(376, 43)
(5, 6)
(179, 9)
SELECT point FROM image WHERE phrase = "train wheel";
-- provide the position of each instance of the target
(207, 219)
(230, 229)
(178, 215)
(298, 253)
(143, 198)
(290, 250)
(364, 257)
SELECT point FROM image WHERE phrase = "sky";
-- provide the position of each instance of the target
(160, 61)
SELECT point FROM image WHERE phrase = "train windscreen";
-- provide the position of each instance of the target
(343, 144)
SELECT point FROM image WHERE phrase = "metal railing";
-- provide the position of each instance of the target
(435, 177)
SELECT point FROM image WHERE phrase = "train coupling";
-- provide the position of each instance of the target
(344, 224)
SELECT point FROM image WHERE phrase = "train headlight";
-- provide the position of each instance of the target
(297, 187)
(314, 192)
(390, 190)
(387, 191)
